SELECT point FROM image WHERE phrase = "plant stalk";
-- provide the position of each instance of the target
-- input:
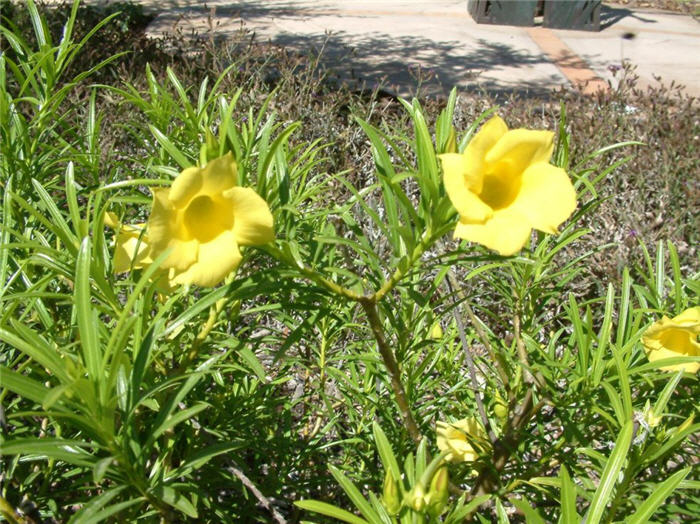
(392, 366)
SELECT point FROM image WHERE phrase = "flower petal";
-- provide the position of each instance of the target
(477, 148)
(468, 205)
(166, 231)
(187, 184)
(216, 260)
(488, 136)
(506, 231)
(110, 219)
(663, 353)
(519, 148)
(131, 249)
(546, 197)
(219, 175)
(252, 219)
(689, 318)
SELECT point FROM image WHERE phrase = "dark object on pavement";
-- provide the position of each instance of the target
(580, 14)
(558, 14)
(521, 12)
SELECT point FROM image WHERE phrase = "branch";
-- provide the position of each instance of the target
(470, 364)
(370, 307)
(264, 501)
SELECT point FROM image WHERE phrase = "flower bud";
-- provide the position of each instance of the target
(437, 496)
(436, 332)
(390, 495)
(651, 419)
(500, 407)
(416, 499)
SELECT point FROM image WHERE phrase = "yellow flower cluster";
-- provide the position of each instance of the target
(503, 186)
(202, 220)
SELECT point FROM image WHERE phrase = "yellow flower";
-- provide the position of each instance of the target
(503, 186)
(131, 247)
(676, 337)
(457, 438)
(203, 218)
(131, 250)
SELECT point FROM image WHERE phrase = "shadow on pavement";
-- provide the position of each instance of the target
(406, 64)
(398, 64)
(610, 16)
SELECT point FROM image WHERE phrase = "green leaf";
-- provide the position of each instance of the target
(99, 470)
(385, 451)
(201, 457)
(659, 493)
(355, 496)
(94, 505)
(63, 230)
(174, 420)
(329, 511)
(603, 336)
(106, 512)
(253, 362)
(86, 316)
(52, 448)
(176, 499)
(610, 475)
(665, 395)
(32, 345)
(568, 499)
(195, 310)
(531, 514)
(170, 148)
(22, 385)
(461, 512)
(660, 449)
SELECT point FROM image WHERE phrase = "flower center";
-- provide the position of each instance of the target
(206, 218)
(500, 187)
(678, 340)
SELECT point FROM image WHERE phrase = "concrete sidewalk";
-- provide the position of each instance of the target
(435, 42)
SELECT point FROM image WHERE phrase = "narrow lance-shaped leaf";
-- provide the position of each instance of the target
(86, 315)
(610, 475)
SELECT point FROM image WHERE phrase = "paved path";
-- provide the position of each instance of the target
(437, 42)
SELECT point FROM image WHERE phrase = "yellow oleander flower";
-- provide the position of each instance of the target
(131, 250)
(675, 337)
(131, 247)
(204, 218)
(457, 437)
(503, 186)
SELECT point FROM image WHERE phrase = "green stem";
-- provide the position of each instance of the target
(370, 307)
(312, 275)
(488, 480)
(425, 243)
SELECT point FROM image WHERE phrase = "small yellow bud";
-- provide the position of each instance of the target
(500, 407)
(651, 419)
(416, 499)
